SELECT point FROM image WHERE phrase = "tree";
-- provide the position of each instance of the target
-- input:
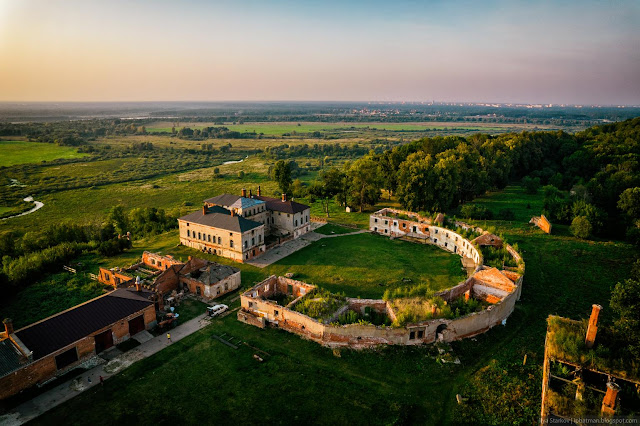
(363, 182)
(118, 219)
(580, 227)
(531, 185)
(282, 175)
(625, 302)
(629, 202)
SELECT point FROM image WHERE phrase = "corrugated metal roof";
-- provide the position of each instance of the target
(11, 358)
(67, 327)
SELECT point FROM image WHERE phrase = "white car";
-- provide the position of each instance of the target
(216, 310)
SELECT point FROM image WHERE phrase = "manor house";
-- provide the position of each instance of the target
(237, 227)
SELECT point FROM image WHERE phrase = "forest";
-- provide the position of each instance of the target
(591, 178)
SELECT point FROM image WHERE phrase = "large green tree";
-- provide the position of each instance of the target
(282, 175)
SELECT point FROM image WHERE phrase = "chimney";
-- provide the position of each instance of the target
(609, 400)
(138, 284)
(284, 197)
(250, 194)
(258, 190)
(233, 212)
(244, 192)
(8, 326)
(593, 326)
(204, 209)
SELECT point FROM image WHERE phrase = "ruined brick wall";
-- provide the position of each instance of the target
(222, 287)
(158, 261)
(457, 291)
(112, 277)
(285, 285)
(167, 281)
(542, 222)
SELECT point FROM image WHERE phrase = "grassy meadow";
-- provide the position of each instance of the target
(23, 152)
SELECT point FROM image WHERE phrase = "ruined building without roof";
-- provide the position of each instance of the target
(275, 301)
(238, 227)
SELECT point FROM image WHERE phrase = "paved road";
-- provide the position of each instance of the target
(90, 378)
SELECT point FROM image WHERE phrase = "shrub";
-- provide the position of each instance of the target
(476, 212)
(580, 227)
(531, 185)
(506, 214)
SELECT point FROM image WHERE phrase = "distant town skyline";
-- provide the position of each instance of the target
(524, 52)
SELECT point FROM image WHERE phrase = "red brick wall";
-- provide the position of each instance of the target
(159, 262)
(106, 276)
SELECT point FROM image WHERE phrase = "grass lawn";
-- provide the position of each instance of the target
(333, 229)
(22, 152)
(513, 197)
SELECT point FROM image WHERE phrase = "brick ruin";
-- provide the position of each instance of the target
(585, 372)
(262, 306)
(541, 222)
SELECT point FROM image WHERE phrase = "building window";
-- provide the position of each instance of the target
(420, 334)
(296, 222)
(375, 220)
(199, 236)
(259, 238)
(386, 222)
(187, 224)
(253, 241)
(219, 240)
(251, 304)
(209, 237)
(395, 223)
(412, 335)
(246, 244)
(231, 243)
(276, 313)
(436, 231)
(188, 233)
(159, 264)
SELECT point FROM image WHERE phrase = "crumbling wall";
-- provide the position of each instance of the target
(158, 261)
(542, 222)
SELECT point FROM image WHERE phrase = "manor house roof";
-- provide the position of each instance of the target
(282, 206)
(221, 220)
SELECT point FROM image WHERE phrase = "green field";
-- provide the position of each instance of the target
(23, 152)
(277, 129)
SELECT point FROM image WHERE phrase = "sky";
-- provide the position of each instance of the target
(562, 52)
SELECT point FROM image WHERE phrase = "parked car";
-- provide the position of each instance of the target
(216, 310)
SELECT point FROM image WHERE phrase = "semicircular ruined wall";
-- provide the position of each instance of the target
(257, 310)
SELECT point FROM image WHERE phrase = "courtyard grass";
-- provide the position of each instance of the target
(23, 152)
(333, 229)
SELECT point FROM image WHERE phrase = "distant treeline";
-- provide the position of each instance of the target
(600, 169)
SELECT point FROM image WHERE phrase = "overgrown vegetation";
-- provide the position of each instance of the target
(320, 303)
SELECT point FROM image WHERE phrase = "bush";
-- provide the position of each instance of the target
(506, 214)
(476, 212)
(531, 185)
(581, 227)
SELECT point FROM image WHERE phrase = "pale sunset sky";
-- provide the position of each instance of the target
(583, 52)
